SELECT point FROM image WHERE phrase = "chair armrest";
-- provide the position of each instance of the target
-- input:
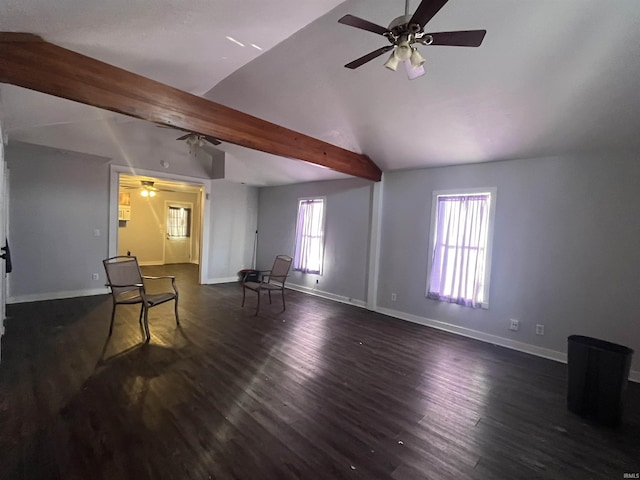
(139, 285)
(277, 278)
(265, 273)
(164, 277)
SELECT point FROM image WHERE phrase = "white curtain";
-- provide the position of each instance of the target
(310, 236)
(178, 222)
(459, 255)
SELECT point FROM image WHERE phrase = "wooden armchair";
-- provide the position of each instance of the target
(271, 280)
(127, 288)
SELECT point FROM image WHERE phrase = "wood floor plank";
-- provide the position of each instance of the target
(320, 391)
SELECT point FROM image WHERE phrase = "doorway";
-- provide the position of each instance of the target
(160, 220)
(178, 244)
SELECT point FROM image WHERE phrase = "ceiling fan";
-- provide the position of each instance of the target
(195, 138)
(407, 31)
(147, 188)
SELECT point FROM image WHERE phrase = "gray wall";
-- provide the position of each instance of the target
(565, 250)
(234, 216)
(348, 212)
(57, 200)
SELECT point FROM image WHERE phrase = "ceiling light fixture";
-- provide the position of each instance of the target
(416, 59)
(256, 46)
(195, 140)
(403, 51)
(231, 39)
(413, 72)
(148, 190)
(392, 63)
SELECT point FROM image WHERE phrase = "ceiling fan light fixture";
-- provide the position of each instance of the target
(144, 193)
(414, 72)
(403, 51)
(417, 60)
(392, 63)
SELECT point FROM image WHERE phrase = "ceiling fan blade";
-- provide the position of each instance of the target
(212, 140)
(426, 11)
(363, 24)
(184, 137)
(469, 38)
(368, 57)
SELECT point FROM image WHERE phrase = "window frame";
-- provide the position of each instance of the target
(460, 192)
(189, 222)
(324, 236)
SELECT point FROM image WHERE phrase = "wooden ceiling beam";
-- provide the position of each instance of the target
(26, 60)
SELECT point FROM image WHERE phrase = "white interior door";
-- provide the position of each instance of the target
(178, 231)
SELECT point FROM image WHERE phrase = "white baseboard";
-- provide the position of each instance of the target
(38, 297)
(212, 281)
(327, 295)
(555, 355)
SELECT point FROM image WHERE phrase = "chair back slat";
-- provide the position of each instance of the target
(123, 271)
(280, 268)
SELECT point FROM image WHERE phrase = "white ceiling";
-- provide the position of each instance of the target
(552, 77)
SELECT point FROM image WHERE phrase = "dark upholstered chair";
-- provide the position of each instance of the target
(271, 280)
(127, 288)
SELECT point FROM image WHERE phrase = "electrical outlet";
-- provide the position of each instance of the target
(539, 329)
(95, 276)
(514, 325)
(394, 297)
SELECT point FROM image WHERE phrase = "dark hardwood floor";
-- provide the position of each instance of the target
(321, 391)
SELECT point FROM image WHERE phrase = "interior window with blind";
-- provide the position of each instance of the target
(309, 236)
(460, 250)
(179, 222)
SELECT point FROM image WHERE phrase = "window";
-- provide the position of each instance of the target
(309, 236)
(460, 250)
(179, 222)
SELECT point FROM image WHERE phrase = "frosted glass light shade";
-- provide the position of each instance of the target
(392, 63)
(413, 72)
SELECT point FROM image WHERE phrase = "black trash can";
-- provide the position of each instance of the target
(598, 377)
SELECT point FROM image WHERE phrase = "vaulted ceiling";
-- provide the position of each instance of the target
(551, 78)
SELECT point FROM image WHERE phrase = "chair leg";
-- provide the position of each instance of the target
(113, 316)
(284, 307)
(244, 291)
(176, 309)
(140, 318)
(146, 324)
(269, 296)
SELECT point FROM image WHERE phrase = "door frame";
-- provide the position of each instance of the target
(167, 204)
(205, 230)
(4, 234)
